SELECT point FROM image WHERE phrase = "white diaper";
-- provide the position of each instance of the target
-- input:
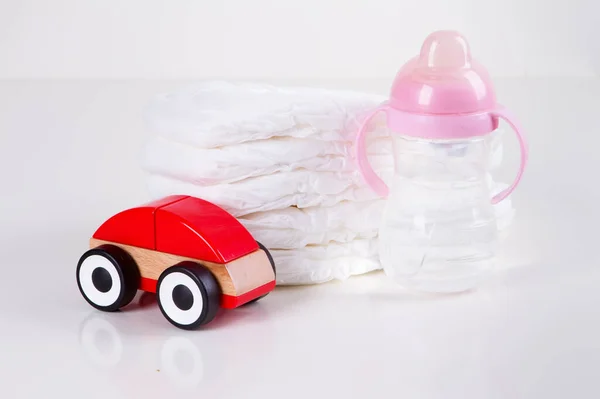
(292, 227)
(218, 113)
(300, 188)
(321, 263)
(228, 164)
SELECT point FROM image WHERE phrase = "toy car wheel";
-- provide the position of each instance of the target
(107, 277)
(274, 271)
(188, 295)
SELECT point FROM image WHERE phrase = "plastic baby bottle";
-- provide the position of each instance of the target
(438, 232)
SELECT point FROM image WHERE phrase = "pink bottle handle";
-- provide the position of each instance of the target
(510, 119)
(364, 166)
(382, 189)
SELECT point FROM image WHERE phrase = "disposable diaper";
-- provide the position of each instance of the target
(217, 113)
(232, 163)
(321, 263)
(300, 188)
(293, 227)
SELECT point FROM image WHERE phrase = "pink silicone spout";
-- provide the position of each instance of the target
(443, 79)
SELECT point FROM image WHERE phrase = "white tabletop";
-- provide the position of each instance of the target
(69, 159)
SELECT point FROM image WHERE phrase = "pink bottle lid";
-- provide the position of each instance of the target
(443, 79)
(441, 94)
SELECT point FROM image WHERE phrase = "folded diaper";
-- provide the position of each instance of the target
(300, 188)
(233, 163)
(322, 263)
(217, 113)
(293, 227)
(282, 161)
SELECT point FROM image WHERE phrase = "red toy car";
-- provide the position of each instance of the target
(193, 254)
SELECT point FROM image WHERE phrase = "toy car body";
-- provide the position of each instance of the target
(193, 254)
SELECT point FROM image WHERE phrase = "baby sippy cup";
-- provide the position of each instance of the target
(439, 230)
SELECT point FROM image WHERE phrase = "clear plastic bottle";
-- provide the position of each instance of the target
(438, 232)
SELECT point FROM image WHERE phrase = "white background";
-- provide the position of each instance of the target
(272, 39)
(74, 78)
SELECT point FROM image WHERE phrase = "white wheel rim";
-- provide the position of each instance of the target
(100, 298)
(165, 294)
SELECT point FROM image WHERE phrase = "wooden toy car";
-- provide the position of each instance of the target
(193, 254)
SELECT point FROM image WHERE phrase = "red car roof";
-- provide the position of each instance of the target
(181, 225)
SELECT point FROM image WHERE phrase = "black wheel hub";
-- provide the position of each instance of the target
(183, 297)
(102, 279)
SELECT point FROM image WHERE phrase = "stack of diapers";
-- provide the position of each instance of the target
(281, 160)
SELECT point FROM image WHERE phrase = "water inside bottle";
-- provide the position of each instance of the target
(439, 228)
